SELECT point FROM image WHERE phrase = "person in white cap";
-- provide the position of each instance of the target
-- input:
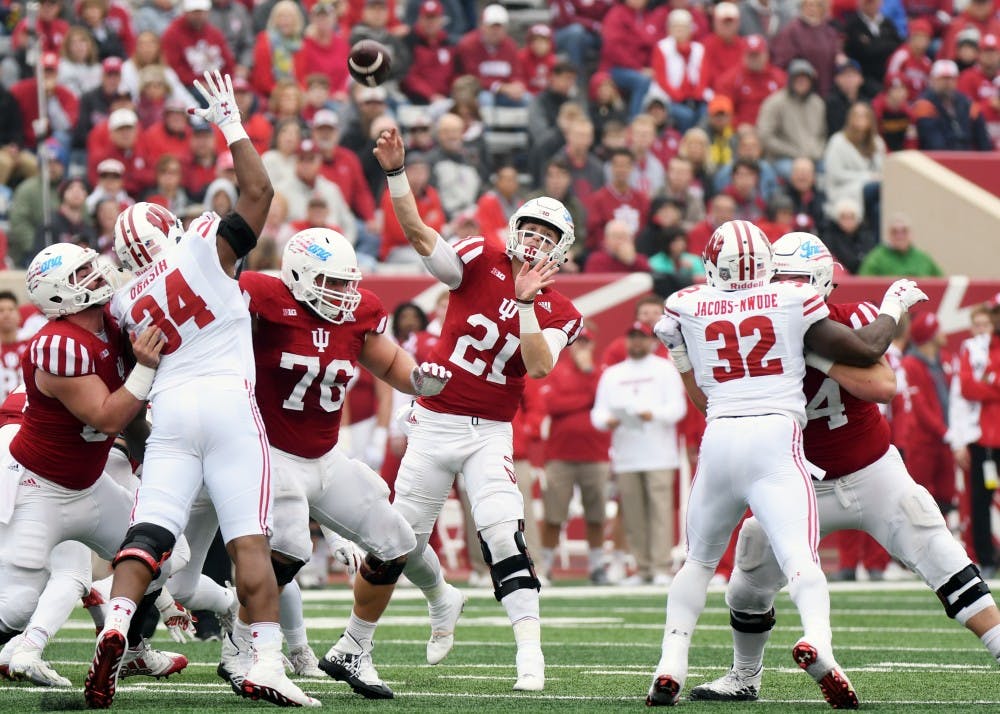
(724, 47)
(123, 132)
(946, 119)
(191, 45)
(491, 56)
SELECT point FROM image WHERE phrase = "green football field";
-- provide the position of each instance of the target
(600, 644)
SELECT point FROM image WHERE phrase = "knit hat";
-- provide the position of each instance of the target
(923, 327)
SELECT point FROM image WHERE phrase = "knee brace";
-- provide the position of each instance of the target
(502, 572)
(751, 623)
(148, 543)
(284, 572)
(382, 572)
(965, 594)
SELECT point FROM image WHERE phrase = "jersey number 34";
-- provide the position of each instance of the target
(183, 304)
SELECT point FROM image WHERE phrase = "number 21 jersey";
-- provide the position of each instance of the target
(746, 346)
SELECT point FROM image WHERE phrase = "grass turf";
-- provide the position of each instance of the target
(601, 645)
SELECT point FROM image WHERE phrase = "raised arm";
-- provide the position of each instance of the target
(391, 154)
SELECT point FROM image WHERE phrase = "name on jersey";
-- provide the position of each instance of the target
(149, 277)
(727, 307)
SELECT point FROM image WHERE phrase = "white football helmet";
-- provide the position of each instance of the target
(544, 210)
(320, 268)
(54, 287)
(801, 254)
(738, 257)
(142, 232)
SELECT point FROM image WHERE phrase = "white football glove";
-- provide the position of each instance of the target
(668, 331)
(178, 620)
(900, 297)
(222, 109)
(345, 552)
(429, 379)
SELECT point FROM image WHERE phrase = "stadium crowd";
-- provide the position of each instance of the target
(670, 118)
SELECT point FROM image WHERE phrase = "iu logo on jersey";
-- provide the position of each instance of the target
(321, 338)
(508, 309)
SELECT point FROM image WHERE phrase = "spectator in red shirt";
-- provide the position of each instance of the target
(276, 46)
(617, 253)
(724, 47)
(811, 37)
(750, 81)
(745, 191)
(200, 169)
(395, 248)
(491, 55)
(432, 68)
(938, 14)
(979, 82)
(168, 191)
(617, 200)
(678, 70)
(721, 209)
(124, 134)
(537, 58)
(630, 36)
(353, 10)
(49, 28)
(910, 62)
(192, 47)
(578, 27)
(324, 50)
(980, 14)
(259, 129)
(62, 105)
(171, 135)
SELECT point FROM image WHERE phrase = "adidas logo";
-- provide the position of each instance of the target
(497, 274)
(30, 482)
(412, 419)
(545, 305)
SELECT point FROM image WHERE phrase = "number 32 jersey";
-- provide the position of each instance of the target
(746, 346)
(199, 307)
(304, 364)
(480, 339)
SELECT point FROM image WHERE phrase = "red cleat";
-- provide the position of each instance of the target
(832, 681)
(99, 688)
(664, 692)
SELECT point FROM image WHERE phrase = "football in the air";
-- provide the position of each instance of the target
(369, 63)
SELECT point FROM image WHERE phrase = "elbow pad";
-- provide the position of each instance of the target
(237, 233)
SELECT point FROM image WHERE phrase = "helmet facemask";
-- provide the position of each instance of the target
(332, 298)
(532, 254)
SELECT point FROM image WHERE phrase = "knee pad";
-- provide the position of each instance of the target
(750, 622)
(18, 606)
(965, 594)
(149, 544)
(510, 552)
(382, 572)
(284, 572)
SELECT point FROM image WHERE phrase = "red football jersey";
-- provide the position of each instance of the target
(844, 433)
(304, 364)
(480, 339)
(10, 366)
(52, 442)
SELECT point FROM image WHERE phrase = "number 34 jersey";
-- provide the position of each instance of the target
(198, 306)
(746, 346)
(304, 364)
(481, 336)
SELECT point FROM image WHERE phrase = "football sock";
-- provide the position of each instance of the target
(361, 630)
(266, 635)
(119, 615)
(293, 624)
(991, 638)
(748, 650)
(808, 590)
(596, 558)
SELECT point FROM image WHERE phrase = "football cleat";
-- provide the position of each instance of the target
(530, 670)
(304, 661)
(833, 682)
(733, 686)
(235, 661)
(144, 661)
(665, 691)
(26, 664)
(99, 687)
(267, 681)
(444, 616)
(348, 661)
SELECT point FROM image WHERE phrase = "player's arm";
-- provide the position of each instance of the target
(539, 349)
(392, 364)
(872, 384)
(694, 391)
(88, 398)
(239, 230)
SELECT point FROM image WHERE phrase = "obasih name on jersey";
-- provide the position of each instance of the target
(728, 307)
(150, 275)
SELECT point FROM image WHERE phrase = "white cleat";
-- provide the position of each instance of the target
(144, 661)
(26, 664)
(444, 617)
(304, 662)
(734, 686)
(530, 670)
(267, 681)
(234, 661)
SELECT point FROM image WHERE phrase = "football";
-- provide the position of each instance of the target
(369, 63)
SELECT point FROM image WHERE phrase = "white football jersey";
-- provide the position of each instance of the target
(746, 346)
(200, 309)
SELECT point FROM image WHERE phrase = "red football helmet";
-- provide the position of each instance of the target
(738, 257)
(142, 232)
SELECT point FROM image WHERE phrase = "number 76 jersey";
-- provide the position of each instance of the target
(746, 346)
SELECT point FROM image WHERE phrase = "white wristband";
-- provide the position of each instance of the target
(892, 308)
(681, 360)
(529, 321)
(233, 132)
(819, 362)
(398, 184)
(140, 381)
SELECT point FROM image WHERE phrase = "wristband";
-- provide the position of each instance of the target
(140, 381)
(396, 171)
(681, 360)
(892, 308)
(234, 132)
(819, 362)
(519, 301)
(164, 601)
(398, 184)
(529, 322)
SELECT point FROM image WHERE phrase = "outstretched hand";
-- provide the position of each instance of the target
(218, 93)
(389, 150)
(532, 278)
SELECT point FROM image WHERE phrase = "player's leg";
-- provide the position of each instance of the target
(426, 473)
(69, 581)
(498, 510)
(910, 526)
(714, 509)
(355, 504)
(238, 479)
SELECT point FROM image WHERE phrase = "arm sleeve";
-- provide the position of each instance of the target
(444, 264)
(556, 339)
(234, 229)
